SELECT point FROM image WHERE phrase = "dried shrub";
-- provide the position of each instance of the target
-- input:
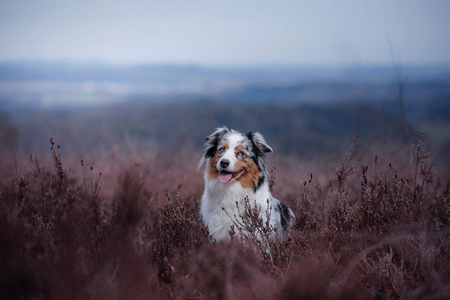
(368, 234)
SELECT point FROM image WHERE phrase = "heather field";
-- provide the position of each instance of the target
(99, 187)
(124, 224)
(104, 111)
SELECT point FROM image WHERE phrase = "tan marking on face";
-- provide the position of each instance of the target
(250, 173)
(212, 169)
(239, 148)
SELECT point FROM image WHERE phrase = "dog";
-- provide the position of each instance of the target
(235, 172)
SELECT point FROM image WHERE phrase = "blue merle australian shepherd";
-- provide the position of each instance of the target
(235, 170)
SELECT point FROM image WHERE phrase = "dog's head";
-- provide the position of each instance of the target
(231, 155)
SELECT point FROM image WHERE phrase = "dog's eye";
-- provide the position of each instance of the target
(241, 154)
(221, 149)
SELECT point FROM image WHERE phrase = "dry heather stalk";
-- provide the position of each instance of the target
(134, 247)
(348, 165)
(420, 155)
(57, 161)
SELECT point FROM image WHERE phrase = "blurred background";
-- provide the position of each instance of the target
(109, 79)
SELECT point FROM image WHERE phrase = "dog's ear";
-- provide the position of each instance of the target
(220, 132)
(260, 142)
(260, 147)
(212, 142)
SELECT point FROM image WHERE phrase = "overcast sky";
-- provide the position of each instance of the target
(226, 32)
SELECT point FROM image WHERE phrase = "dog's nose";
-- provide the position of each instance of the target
(224, 163)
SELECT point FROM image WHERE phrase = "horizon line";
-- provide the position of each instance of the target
(283, 65)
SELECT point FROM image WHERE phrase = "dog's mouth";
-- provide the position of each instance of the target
(226, 177)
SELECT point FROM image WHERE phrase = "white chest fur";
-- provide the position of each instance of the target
(218, 206)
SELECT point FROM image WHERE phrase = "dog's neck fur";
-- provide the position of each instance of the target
(222, 204)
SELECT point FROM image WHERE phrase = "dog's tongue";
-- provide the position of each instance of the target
(225, 177)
